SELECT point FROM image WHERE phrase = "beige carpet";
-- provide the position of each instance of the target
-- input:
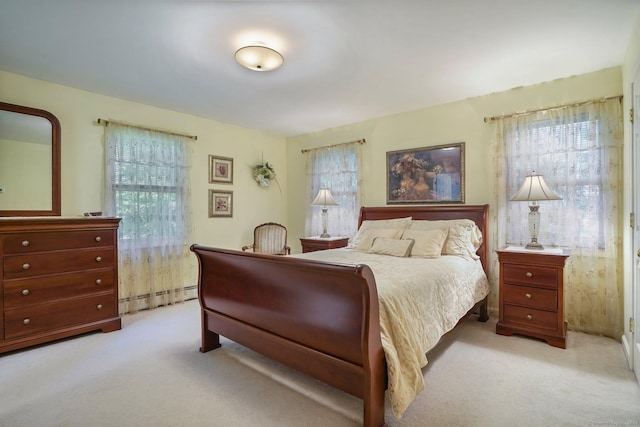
(151, 374)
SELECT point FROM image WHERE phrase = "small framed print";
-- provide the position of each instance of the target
(220, 169)
(220, 203)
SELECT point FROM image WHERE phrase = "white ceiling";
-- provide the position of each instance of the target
(345, 60)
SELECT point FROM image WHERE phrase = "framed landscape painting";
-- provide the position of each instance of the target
(220, 169)
(426, 175)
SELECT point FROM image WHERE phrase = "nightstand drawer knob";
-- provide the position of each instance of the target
(25, 243)
(26, 321)
(98, 281)
(25, 266)
(25, 292)
(529, 274)
(527, 295)
(99, 306)
(98, 259)
(98, 238)
(529, 317)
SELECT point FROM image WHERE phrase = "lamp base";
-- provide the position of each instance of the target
(534, 245)
(324, 235)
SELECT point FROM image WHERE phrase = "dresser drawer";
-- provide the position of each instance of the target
(530, 297)
(22, 292)
(28, 265)
(531, 317)
(40, 318)
(530, 275)
(27, 242)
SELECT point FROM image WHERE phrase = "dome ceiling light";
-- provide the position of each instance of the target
(259, 58)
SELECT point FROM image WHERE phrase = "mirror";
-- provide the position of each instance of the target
(29, 162)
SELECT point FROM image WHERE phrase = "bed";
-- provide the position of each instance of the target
(322, 316)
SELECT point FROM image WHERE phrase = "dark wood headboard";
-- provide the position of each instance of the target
(478, 213)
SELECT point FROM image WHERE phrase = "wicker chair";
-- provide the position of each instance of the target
(269, 238)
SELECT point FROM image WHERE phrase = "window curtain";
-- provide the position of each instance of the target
(337, 168)
(147, 185)
(578, 151)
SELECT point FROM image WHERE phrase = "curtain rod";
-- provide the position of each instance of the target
(104, 122)
(577, 104)
(358, 141)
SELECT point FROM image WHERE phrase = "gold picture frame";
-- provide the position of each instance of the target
(220, 169)
(220, 203)
(426, 175)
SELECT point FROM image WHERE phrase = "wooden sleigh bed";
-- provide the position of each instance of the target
(317, 317)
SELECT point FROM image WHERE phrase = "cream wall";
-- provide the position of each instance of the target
(454, 122)
(83, 156)
(630, 69)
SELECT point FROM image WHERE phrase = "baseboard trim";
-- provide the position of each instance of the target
(141, 302)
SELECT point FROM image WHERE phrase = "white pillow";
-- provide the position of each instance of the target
(428, 243)
(393, 247)
(396, 223)
(463, 235)
(368, 236)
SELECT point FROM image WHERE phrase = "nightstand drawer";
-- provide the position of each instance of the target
(531, 275)
(531, 297)
(531, 317)
(312, 244)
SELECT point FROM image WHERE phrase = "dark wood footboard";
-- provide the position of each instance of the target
(321, 319)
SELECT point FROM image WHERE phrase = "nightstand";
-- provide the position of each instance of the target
(532, 294)
(311, 244)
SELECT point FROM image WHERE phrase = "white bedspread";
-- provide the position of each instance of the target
(420, 300)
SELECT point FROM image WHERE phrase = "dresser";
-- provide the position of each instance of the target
(58, 278)
(312, 244)
(532, 294)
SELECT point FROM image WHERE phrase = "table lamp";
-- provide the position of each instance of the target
(324, 199)
(533, 190)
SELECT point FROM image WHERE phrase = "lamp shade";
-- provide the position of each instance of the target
(324, 198)
(534, 188)
(259, 58)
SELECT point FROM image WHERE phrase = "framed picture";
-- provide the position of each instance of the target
(220, 169)
(220, 203)
(426, 175)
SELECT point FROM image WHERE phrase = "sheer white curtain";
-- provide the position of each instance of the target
(147, 185)
(578, 152)
(337, 168)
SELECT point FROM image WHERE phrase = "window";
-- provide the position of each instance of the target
(569, 153)
(149, 184)
(337, 168)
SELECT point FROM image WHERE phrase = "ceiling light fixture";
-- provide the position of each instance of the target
(259, 58)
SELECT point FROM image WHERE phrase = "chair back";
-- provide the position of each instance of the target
(271, 238)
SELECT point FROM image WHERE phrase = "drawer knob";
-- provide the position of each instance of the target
(527, 295)
(98, 281)
(529, 274)
(529, 317)
(98, 238)
(98, 258)
(25, 243)
(99, 306)
(26, 321)
(25, 266)
(25, 292)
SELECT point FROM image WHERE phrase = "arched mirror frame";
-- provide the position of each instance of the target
(55, 161)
